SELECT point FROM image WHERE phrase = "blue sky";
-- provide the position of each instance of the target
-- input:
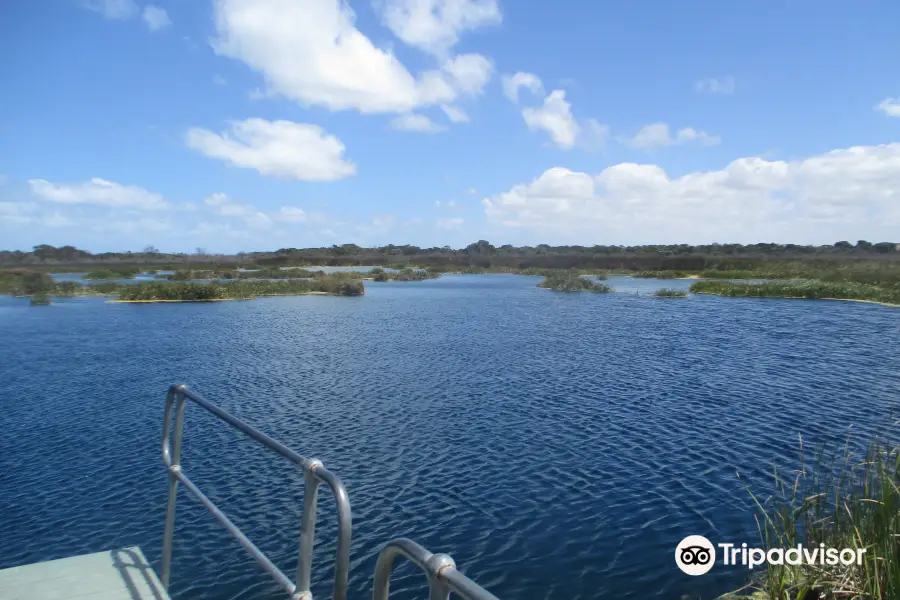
(257, 124)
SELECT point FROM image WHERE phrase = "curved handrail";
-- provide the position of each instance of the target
(440, 569)
(314, 473)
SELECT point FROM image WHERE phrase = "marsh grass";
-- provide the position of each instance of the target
(844, 501)
(670, 293)
(194, 292)
(812, 290)
(570, 282)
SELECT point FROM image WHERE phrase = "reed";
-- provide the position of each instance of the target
(670, 293)
(812, 290)
(568, 282)
(841, 501)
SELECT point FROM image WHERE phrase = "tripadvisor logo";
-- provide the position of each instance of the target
(696, 555)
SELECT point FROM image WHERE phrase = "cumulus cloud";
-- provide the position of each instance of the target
(840, 194)
(890, 107)
(529, 81)
(435, 25)
(114, 10)
(554, 117)
(312, 52)
(455, 114)
(415, 123)
(712, 85)
(98, 192)
(277, 148)
(658, 135)
(155, 17)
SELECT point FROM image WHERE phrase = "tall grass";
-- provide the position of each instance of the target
(185, 292)
(800, 289)
(670, 293)
(569, 282)
(842, 502)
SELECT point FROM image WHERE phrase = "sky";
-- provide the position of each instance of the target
(243, 125)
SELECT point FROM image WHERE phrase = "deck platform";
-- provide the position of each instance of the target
(122, 574)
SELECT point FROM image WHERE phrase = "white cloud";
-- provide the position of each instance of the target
(435, 25)
(447, 204)
(512, 83)
(276, 148)
(658, 135)
(716, 86)
(114, 10)
(415, 123)
(468, 73)
(290, 214)
(890, 107)
(155, 17)
(554, 117)
(840, 194)
(219, 80)
(312, 52)
(222, 205)
(455, 114)
(98, 192)
(450, 223)
(472, 191)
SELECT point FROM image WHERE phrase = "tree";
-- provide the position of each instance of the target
(151, 250)
(884, 247)
(843, 245)
(863, 245)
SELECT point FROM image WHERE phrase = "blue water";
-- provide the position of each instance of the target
(557, 445)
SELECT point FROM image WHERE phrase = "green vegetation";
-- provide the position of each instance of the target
(842, 502)
(568, 282)
(25, 282)
(812, 290)
(670, 293)
(186, 292)
(659, 274)
(41, 299)
(118, 273)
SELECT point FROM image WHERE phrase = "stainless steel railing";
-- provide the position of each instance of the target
(440, 570)
(313, 475)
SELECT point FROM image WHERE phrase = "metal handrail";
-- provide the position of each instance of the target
(313, 474)
(440, 570)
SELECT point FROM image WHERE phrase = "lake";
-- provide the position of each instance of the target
(556, 445)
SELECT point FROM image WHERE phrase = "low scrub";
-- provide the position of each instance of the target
(567, 282)
(670, 293)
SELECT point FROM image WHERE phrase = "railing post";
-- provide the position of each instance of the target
(308, 527)
(438, 588)
(174, 460)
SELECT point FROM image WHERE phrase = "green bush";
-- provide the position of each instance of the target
(567, 282)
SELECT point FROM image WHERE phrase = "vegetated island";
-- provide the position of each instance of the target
(570, 282)
(41, 287)
(670, 293)
(804, 289)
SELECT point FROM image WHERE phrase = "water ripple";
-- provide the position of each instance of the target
(557, 445)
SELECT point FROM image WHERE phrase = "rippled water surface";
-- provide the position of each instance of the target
(557, 445)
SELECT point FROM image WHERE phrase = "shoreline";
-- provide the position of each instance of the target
(887, 304)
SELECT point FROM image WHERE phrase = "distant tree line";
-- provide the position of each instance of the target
(481, 254)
